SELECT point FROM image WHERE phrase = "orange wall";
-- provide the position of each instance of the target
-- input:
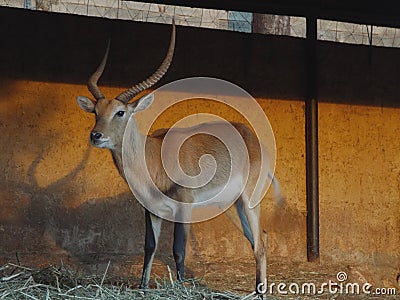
(54, 177)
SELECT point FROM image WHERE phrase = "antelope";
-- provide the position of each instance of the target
(112, 116)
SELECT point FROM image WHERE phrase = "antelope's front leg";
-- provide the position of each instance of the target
(153, 228)
(179, 250)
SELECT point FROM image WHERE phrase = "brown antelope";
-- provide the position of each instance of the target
(112, 116)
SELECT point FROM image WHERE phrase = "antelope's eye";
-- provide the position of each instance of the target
(120, 113)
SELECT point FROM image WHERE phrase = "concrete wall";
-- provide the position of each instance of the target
(60, 198)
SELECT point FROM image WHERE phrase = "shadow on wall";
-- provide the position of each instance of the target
(53, 203)
(95, 232)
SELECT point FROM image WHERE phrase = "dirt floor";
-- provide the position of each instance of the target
(237, 277)
(287, 281)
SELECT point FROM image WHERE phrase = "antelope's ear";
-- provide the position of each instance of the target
(86, 104)
(143, 103)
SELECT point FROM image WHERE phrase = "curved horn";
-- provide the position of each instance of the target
(92, 83)
(157, 75)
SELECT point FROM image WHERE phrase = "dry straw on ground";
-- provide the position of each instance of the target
(19, 282)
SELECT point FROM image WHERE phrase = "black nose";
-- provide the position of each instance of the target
(96, 136)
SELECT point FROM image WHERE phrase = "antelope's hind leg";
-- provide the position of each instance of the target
(259, 243)
(181, 231)
(245, 226)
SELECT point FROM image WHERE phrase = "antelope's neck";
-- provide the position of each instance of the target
(117, 158)
(152, 149)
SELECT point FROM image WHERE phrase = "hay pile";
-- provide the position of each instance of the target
(18, 282)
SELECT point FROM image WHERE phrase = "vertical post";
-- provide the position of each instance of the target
(312, 186)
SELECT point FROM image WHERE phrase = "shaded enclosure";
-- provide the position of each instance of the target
(60, 199)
